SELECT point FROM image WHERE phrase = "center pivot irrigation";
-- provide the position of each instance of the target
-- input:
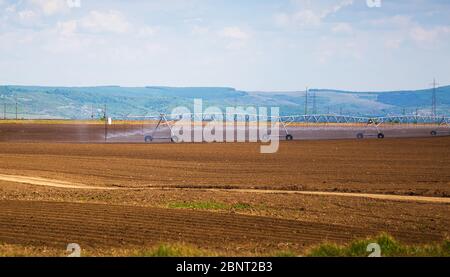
(443, 129)
(373, 130)
(162, 121)
(167, 122)
(366, 127)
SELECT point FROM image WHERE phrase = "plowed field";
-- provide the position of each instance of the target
(125, 195)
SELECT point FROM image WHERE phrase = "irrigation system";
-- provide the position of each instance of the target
(371, 126)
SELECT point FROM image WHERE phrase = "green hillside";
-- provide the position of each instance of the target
(84, 102)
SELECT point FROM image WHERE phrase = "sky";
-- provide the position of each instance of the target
(253, 45)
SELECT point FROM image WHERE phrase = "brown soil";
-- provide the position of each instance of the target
(394, 166)
(54, 216)
(372, 214)
(94, 225)
(133, 132)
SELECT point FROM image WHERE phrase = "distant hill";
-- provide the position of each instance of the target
(83, 102)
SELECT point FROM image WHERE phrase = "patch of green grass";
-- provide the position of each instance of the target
(208, 205)
(174, 250)
(389, 248)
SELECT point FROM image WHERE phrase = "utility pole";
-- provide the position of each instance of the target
(433, 98)
(16, 111)
(306, 101)
(106, 123)
(314, 103)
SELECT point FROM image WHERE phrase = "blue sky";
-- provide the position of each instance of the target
(246, 44)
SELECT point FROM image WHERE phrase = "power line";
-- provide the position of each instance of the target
(433, 98)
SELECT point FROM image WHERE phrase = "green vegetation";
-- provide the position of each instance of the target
(205, 205)
(88, 102)
(208, 205)
(241, 206)
(174, 250)
(389, 248)
(357, 248)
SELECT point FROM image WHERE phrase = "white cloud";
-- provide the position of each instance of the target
(397, 21)
(68, 27)
(309, 15)
(342, 28)
(11, 9)
(234, 33)
(306, 18)
(99, 22)
(422, 35)
(109, 21)
(14, 15)
(282, 19)
(70, 44)
(393, 43)
(339, 6)
(51, 7)
(193, 20)
(403, 29)
(147, 31)
(27, 15)
(332, 49)
(199, 30)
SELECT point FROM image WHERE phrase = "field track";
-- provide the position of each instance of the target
(95, 225)
(68, 185)
(47, 182)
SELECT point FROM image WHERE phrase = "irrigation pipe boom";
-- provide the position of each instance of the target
(370, 123)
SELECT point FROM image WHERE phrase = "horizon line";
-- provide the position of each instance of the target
(226, 87)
